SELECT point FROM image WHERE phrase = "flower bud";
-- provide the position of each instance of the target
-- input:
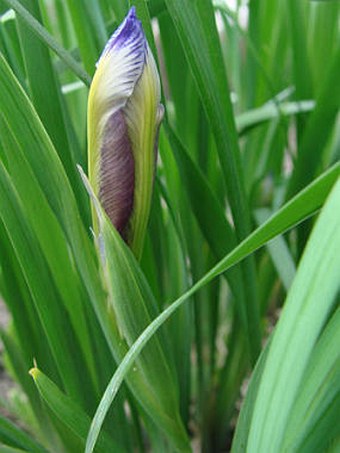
(124, 114)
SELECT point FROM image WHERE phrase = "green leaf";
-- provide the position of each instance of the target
(45, 294)
(195, 24)
(69, 413)
(132, 305)
(279, 252)
(45, 225)
(43, 34)
(43, 85)
(303, 205)
(20, 363)
(90, 31)
(18, 299)
(269, 111)
(5, 449)
(211, 219)
(300, 57)
(202, 52)
(318, 129)
(10, 45)
(46, 168)
(13, 436)
(299, 208)
(313, 420)
(243, 423)
(323, 37)
(309, 303)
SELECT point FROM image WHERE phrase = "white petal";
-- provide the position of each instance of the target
(118, 70)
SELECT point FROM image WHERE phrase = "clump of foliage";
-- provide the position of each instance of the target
(237, 284)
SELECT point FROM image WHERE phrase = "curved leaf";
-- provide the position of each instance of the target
(69, 413)
(299, 208)
(13, 436)
(309, 303)
(131, 303)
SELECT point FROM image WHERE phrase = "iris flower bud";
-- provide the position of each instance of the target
(124, 114)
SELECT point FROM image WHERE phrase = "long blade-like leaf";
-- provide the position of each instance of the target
(309, 303)
(49, 40)
(132, 304)
(69, 413)
(196, 28)
(302, 206)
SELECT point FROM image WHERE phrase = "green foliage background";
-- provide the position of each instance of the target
(238, 286)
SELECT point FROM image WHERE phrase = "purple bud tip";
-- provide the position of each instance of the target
(130, 31)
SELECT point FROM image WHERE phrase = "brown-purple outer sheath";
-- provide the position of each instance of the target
(117, 173)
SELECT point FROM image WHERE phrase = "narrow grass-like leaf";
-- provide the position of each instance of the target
(323, 37)
(279, 252)
(300, 57)
(244, 419)
(318, 129)
(132, 304)
(209, 213)
(20, 364)
(169, 250)
(308, 305)
(10, 45)
(215, 98)
(48, 171)
(252, 118)
(230, 379)
(56, 252)
(202, 196)
(69, 413)
(204, 57)
(13, 436)
(5, 449)
(43, 86)
(303, 205)
(313, 418)
(52, 314)
(18, 299)
(260, 60)
(258, 32)
(300, 207)
(82, 19)
(49, 40)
